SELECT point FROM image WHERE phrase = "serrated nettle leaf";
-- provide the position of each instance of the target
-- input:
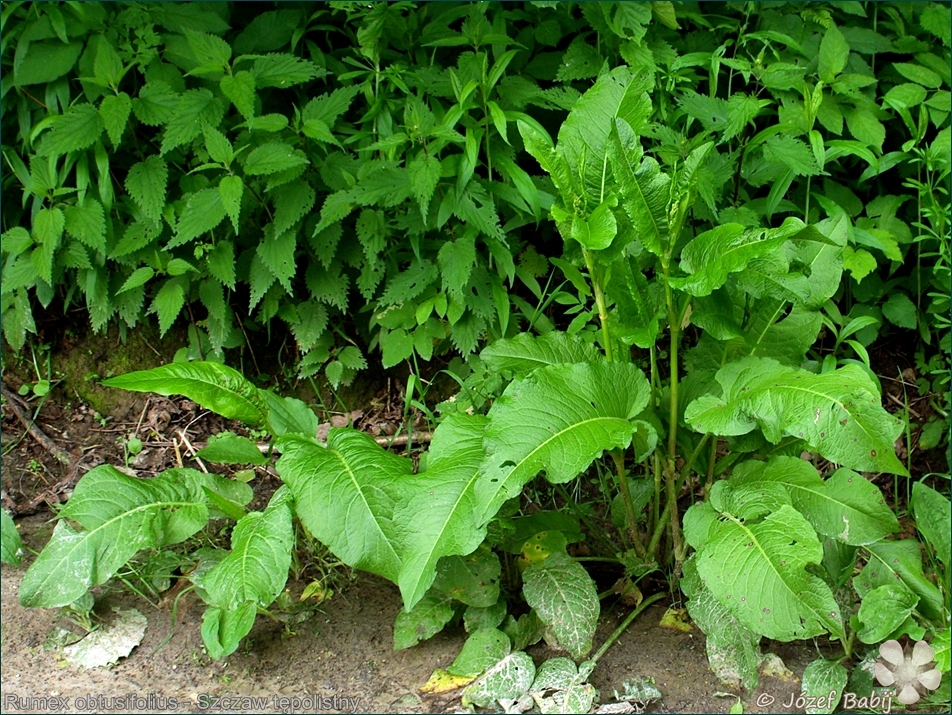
(76, 129)
(240, 89)
(146, 183)
(140, 276)
(212, 385)
(115, 111)
(273, 157)
(558, 419)
(846, 506)
(168, 303)
(564, 595)
(823, 683)
(213, 53)
(834, 52)
(203, 212)
(118, 516)
(195, 109)
(424, 172)
(230, 190)
(838, 413)
(757, 571)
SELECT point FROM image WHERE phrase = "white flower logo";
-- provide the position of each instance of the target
(912, 676)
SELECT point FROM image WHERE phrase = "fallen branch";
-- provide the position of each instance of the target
(35, 432)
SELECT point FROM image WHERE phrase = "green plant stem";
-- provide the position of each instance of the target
(674, 324)
(600, 302)
(658, 532)
(709, 482)
(656, 468)
(624, 624)
(622, 478)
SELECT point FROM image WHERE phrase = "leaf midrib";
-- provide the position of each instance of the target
(821, 616)
(88, 533)
(546, 442)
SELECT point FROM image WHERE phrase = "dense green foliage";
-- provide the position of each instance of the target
(726, 239)
(225, 159)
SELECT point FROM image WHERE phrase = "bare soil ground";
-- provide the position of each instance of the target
(337, 657)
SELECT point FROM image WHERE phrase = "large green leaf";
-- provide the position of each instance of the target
(118, 516)
(645, 191)
(212, 385)
(758, 572)
(838, 413)
(253, 573)
(203, 212)
(846, 506)
(525, 352)
(558, 419)
(370, 509)
(584, 136)
(733, 649)
(726, 249)
(565, 597)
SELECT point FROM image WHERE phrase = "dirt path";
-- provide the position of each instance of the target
(344, 651)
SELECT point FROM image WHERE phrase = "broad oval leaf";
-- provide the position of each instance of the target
(229, 448)
(838, 413)
(525, 352)
(370, 509)
(119, 515)
(823, 682)
(482, 650)
(892, 562)
(508, 679)
(273, 157)
(423, 621)
(565, 597)
(212, 385)
(558, 419)
(758, 572)
(846, 506)
(717, 253)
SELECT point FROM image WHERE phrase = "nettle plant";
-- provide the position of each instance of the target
(775, 542)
